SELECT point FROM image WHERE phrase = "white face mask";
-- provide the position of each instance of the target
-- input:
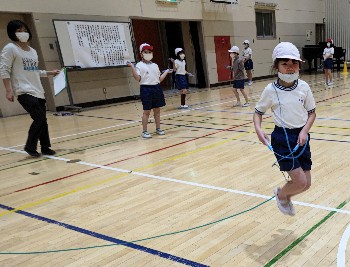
(288, 78)
(22, 36)
(182, 56)
(147, 57)
(328, 44)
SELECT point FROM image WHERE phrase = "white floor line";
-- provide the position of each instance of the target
(128, 123)
(185, 182)
(137, 121)
(342, 248)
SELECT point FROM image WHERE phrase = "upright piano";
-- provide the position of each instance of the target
(315, 52)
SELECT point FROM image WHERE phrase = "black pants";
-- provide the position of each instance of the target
(39, 130)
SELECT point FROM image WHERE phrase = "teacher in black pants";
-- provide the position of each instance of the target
(21, 77)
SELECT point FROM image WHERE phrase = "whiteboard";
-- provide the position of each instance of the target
(94, 44)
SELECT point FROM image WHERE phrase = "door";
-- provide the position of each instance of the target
(222, 45)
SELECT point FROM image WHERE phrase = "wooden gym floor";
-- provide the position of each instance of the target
(201, 195)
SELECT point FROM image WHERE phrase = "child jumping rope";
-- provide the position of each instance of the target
(179, 65)
(149, 76)
(293, 108)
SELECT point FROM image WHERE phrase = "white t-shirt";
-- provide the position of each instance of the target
(328, 51)
(149, 73)
(290, 106)
(247, 52)
(22, 68)
(180, 66)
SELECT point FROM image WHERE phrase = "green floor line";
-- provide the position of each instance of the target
(301, 238)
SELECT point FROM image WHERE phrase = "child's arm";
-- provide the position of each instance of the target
(257, 119)
(134, 73)
(165, 73)
(303, 134)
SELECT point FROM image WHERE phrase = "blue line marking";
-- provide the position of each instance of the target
(108, 238)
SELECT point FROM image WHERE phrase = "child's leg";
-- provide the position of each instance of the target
(330, 78)
(308, 184)
(156, 112)
(244, 95)
(183, 96)
(249, 75)
(145, 117)
(301, 181)
(236, 95)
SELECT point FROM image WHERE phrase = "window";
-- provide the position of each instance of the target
(265, 23)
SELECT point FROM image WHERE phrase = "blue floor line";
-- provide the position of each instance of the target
(108, 238)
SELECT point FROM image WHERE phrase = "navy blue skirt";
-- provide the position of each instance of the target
(248, 65)
(152, 96)
(328, 64)
(181, 81)
(280, 146)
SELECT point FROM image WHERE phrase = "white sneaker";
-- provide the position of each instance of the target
(184, 106)
(246, 104)
(250, 83)
(330, 83)
(292, 209)
(146, 134)
(181, 106)
(238, 104)
(160, 132)
(283, 206)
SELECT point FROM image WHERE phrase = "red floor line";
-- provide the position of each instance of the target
(143, 154)
(108, 164)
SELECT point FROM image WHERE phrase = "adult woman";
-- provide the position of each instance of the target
(21, 77)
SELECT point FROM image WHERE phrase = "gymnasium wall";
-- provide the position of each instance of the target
(293, 19)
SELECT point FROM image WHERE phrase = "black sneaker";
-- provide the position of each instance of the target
(48, 151)
(32, 153)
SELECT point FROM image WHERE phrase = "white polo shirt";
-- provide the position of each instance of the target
(290, 106)
(247, 52)
(180, 66)
(149, 73)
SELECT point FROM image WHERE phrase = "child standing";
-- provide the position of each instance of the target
(237, 67)
(149, 76)
(179, 65)
(248, 62)
(328, 53)
(293, 108)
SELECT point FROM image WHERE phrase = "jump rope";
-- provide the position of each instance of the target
(292, 151)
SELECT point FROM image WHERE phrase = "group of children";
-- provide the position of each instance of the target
(289, 98)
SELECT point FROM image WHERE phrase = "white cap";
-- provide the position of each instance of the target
(145, 46)
(286, 50)
(177, 50)
(246, 42)
(234, 49)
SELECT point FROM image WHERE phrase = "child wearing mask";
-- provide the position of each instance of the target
(237, 68)
(149, 76)
(179, 65)
(328, 53)
(248, 62)
(293, 108)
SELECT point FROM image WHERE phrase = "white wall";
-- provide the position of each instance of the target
(293, 19)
